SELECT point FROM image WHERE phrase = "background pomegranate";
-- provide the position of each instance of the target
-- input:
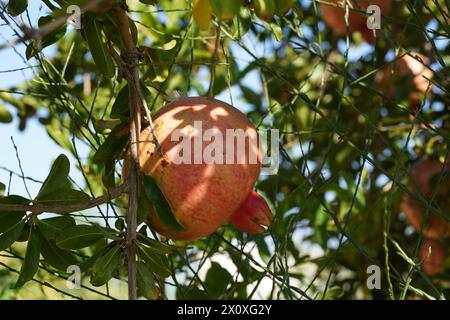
(409, 72)
(334, 17)
(424, 177)
(202, 196)
(432, 263)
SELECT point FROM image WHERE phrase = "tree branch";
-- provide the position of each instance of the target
(66, 208)
(130, 55)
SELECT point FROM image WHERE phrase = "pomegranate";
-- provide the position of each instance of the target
(408, 76)
(432, 254)
(424, 176)
(334, 17)
(252, 215)
(203, 194)
(413, 66)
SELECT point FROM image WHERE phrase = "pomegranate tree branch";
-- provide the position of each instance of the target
(130, 56)
(66, 208)
(143, 103)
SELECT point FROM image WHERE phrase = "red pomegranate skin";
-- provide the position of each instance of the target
(202, 196)
(334, 17)
(422, 174)
(410, 71)
(253, 215)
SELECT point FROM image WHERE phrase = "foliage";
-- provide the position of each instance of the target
(347, 146)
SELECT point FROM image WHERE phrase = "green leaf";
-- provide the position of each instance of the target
(113, 145)
(11, 235)
(133, 30)
(52, 227)
(56, 187)
(154, 261)
(47, 40)
(7, 220)
(217, 280)
(5, 115)
(162, 207)
(283, 6)
(320, 224)
(54, 256)
(242, 23)
(251, 96)
(119, 224)
(156, 246)
(57, 178)
(169, 45)
(16, 7)
(143, 207)
(98, 248)
(2, 189)
(11, 218)
(30, 263)
(108, 174)
(25, 232)
(265, 9)
(146, 282)
(97, 46)
(202, 13)
(105, 265)
(53, 36)
(276, 30)
(80, 236)
(120, 107)
(333, 293)
(225, 10)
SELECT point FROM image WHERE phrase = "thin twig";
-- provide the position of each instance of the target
(50, 5)
(214, 61)
(20, 167)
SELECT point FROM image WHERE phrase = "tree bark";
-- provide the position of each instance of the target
(131, 59)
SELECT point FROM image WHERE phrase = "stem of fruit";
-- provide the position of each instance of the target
(131, 59)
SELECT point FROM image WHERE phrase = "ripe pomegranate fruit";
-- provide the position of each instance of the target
(203, 194)
(432, 263)
(334, 17)
(424, 175)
